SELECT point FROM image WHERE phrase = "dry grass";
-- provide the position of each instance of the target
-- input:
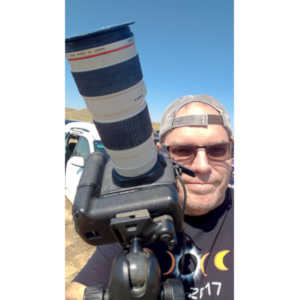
(155, 126)
(77, 252)
(80, 115)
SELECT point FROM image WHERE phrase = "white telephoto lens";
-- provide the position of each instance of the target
(106, 68)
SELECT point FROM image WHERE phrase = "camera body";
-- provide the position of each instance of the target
(109, 208)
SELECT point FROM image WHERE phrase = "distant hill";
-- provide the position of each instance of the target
(79, 115)
(84, 115)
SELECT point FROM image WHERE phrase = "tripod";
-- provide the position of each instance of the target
(136, 273)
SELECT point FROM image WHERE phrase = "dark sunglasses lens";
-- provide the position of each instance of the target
(182, 151)
(218, 151)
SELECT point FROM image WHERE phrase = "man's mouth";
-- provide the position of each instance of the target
(200, 187)
(199, 183)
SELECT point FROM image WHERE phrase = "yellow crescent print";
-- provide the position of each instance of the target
(202, 263)
(219, 260)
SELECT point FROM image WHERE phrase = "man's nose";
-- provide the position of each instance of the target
(201, 163)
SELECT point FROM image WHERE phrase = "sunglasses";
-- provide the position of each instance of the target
(216, 152)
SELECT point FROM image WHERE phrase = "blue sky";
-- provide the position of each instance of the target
(185, 47)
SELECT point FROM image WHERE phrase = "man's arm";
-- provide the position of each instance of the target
(75, 291)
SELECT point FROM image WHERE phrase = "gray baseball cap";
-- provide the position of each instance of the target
(169, 122)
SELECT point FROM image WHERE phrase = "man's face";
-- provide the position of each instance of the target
(206, 191)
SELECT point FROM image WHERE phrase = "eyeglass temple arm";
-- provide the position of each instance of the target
(179, 169)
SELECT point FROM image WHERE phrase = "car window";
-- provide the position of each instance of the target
(71, 141)
(82, 148)
(99, 147)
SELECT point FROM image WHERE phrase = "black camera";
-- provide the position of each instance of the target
(129, 197)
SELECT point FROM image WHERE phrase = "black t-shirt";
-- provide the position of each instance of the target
(207, 272)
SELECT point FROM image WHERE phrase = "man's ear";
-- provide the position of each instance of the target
(158, 145)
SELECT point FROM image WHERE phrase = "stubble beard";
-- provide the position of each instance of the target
(202, 202)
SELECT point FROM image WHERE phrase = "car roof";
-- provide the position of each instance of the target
(81, 127)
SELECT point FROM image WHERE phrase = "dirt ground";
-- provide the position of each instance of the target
(77, 252)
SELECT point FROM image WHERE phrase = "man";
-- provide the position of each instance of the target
(197, 133)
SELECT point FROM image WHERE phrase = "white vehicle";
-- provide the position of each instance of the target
(81, 139)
